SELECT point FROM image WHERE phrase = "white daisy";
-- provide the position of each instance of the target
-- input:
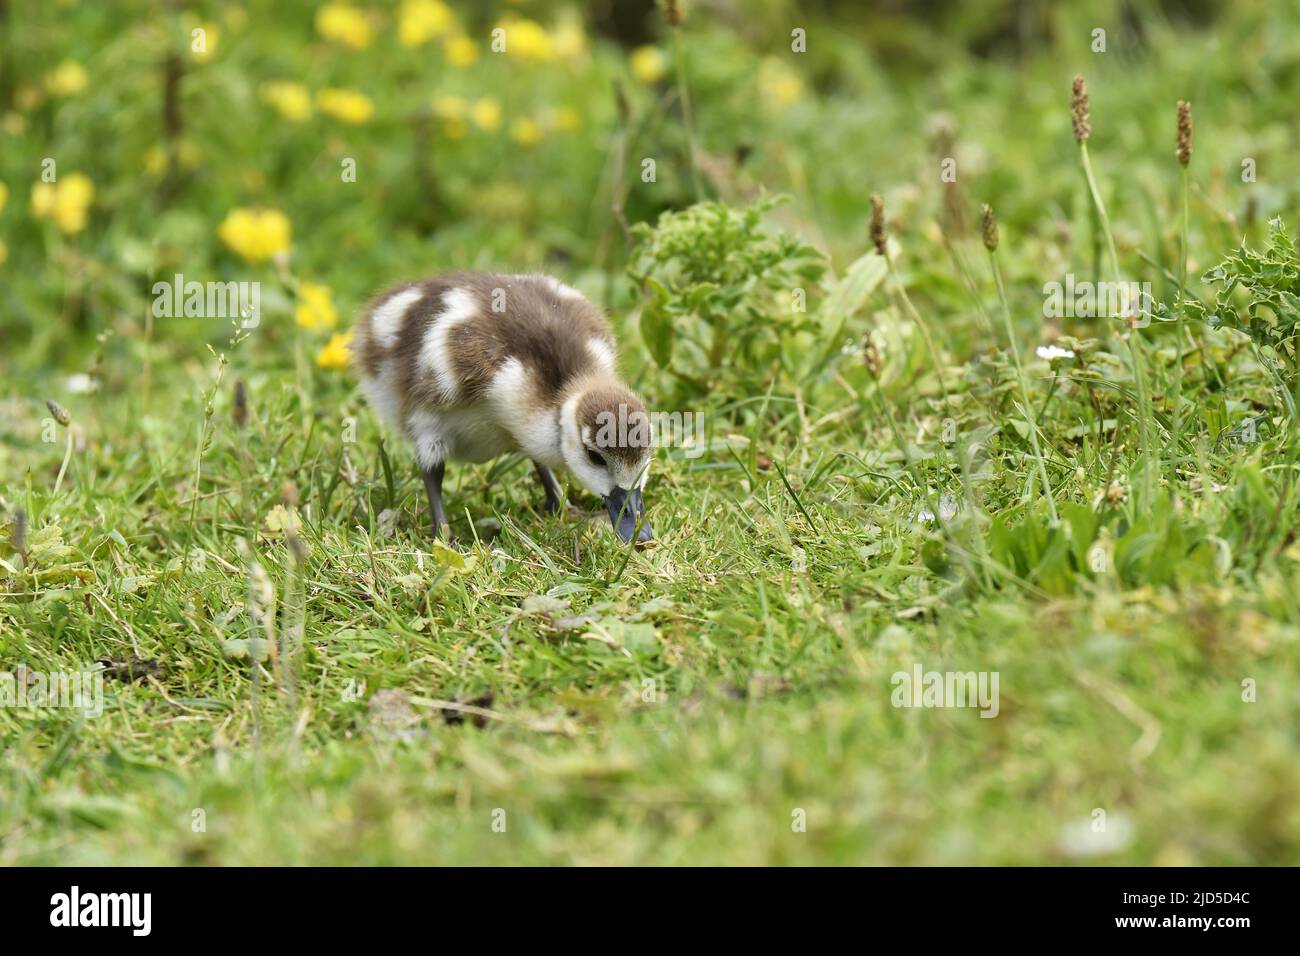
(1051, 352)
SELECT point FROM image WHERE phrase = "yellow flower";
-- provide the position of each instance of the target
(345, 24)
(348, 106)
(461, 51)
(75, 195)
(291, 100)
(66, 79)
(487, 114)
(256, 234)
(526, 40)
(315, 307)
(420, 21)
(4, 196)
(526, 132)
(648, 64)
(15, 124)
(65, 201)
(336, 353)
(203, 45)
(43, 200)
(778, 83)
(568, 40)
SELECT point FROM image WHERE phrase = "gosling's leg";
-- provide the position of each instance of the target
(433, 486)
(554, 497)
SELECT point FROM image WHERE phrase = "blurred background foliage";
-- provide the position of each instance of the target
(468, 158)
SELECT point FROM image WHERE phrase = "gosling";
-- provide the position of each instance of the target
(472, 365)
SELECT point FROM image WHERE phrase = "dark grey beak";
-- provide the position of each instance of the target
(626, 511)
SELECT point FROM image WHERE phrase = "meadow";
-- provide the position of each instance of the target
(864, 247)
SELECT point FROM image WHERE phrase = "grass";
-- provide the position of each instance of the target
(324, 686)
(724, 685)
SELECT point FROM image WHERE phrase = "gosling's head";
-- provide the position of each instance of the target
(606, 443)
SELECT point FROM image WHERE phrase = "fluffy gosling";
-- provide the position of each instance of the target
(473, 365)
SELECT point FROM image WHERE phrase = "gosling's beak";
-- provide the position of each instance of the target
(626, 511)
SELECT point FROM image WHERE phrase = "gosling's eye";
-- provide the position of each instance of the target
(595, 458)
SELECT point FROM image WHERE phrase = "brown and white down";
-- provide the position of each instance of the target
(473, 365)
